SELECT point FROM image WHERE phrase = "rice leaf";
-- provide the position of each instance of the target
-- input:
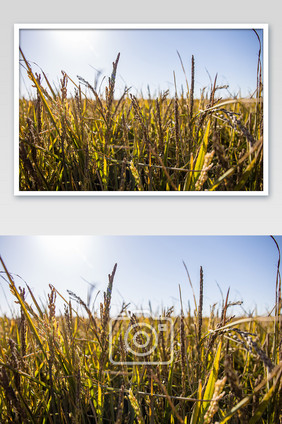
(21, 302)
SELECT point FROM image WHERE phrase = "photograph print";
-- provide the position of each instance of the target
(141, 109)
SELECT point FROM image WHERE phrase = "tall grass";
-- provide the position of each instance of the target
(56, 368)
(97, 143)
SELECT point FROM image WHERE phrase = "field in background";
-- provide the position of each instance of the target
(97, 143)
(56, 368)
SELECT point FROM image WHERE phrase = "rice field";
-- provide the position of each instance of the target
(80, 366)
(90, 141)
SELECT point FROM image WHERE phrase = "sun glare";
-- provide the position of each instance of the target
(65, 248)
(75, 40)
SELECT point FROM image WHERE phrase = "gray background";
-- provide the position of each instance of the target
(144, 215)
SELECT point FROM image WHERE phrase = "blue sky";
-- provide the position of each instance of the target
(149, 268)
(147, 57)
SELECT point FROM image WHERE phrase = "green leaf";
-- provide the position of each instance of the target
(208, 394)
(197, 407)
(202, 153)
(262, 406)
(246, 174)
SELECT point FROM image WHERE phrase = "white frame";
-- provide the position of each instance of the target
(18, 27)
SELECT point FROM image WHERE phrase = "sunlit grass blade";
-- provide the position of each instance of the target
(197, 406)
(201, 155)
(209, 390)
(21, 302)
